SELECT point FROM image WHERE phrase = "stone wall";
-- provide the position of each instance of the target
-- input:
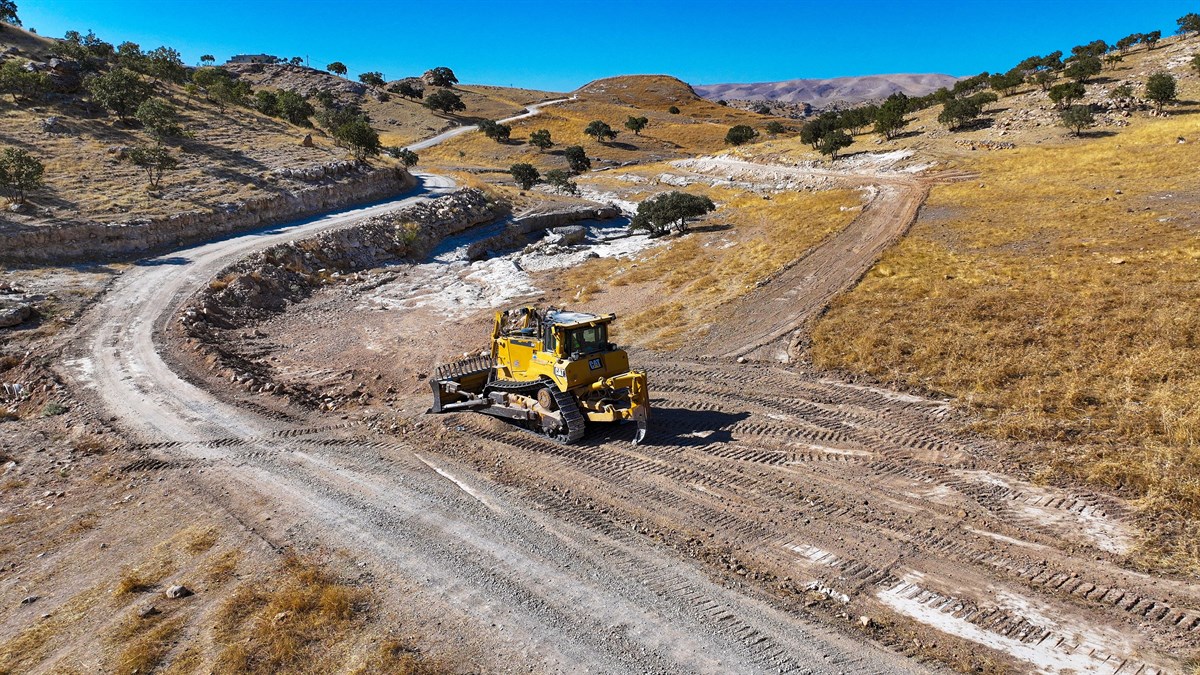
(90, 241)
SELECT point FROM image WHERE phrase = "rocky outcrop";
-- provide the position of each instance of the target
(517, 233)
(77, 242)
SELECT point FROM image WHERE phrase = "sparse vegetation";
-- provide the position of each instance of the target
(8, 12)
(674, 110)
(155, 160)
(775, 127)
(1065, 94)
(835, 141)
(1188, 23)
(577, 158)
(372, 78)
(159, 117)
(20, 83)
(561, 180)
(541, 139)
(525, 175)
(337, 68)
(636, 124)
(120, 90)
(442, 77)
(672, 210)
(891, 117)
(359, 137)
(495, 131)
(1160, 88)
(444, 101)
(1077, 118)
(20, 173)
(740, 134)
(600, 131)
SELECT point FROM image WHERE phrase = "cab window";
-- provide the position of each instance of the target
(587, 340)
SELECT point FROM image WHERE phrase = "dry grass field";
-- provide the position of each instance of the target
(1056, 296)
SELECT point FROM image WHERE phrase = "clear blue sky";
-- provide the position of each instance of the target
(562, 45)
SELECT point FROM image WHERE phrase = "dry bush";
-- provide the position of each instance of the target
(395, 657)
(1056, 297)
(199, 539)
(223, 567)
(145, 651)
(290, 625)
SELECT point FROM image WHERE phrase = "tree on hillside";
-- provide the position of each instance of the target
(119, 90)
(525, 175)
(1077, 118)
(293, 107)
(21, 83)
(562, 180)
(540, 139)
(775, 127)
(154, 160)
(1063, 95)
(1006, 83)
(1083, 68)
(296, 61)
(221, 86)
(577, 159)
(674, 110)
(890, 119)
(1111, 60)
(833, 142)
(1124, 91)
(636, 124)
(408, 90)
(207, 59)
(739, 134)
(337, 68)
(1160, 88)
(1128, 41)
(983, 99)
(1043, 79)
(817, 128)
(266, 102)
(958, 112)
(1150, 39)
(659, 214)
(495, 131)
(372, 78)
(442, 77)
(8, 12)
(407, 157)
(1188, 23)
(20, 173)
(159, 117)
(130, 55)
(445, 101)
(358, 136)
(88, 50)
(166, 65)
(1093, 48)
(600, 131)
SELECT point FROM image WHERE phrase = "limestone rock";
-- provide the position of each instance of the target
(176, 592)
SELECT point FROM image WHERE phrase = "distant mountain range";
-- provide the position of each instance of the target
(820, 93)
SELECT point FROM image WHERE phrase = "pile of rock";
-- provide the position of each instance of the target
(16, 306)
(321, 172)
(977, 144)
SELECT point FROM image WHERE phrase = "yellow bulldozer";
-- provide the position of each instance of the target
(551, 370)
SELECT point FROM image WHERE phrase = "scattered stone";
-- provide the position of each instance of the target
(741, 359)
(15, 315)
(308, 141)
(148, 610)
(50, 125)
(176, 592)
(30, 599)
(864, 621)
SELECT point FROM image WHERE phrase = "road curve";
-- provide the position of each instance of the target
(562, 596)
(530, 111)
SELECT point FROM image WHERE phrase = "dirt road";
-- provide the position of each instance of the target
(562, 595)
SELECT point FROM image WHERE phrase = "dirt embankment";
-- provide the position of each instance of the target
(79, 241)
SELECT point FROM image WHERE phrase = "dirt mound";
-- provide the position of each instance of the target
(639, 90)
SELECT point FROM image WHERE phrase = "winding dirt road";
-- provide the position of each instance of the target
(766, 497)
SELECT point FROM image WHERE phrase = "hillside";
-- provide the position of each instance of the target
(824, 92)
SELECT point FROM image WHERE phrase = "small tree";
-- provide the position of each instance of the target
(407, 157)
(957, 112)
(372, 78)
(833, 142)
(525, 175)
(600, 131)
(130, 55)
(408, 90)
(160, 117)
(337, 68)
(1063, 95)
(1160, 88)
(561, 180)
(120, 90)
(674, 110)
(891, 116)
(1083, 68)
(207, 59)
(1122, 91)
(166, 65)
(775, 127)
(294, 108)
(8, 12)
(441, 77)
(815, 129)
(1150, 39)
(1043, 79)
(1077, 118)
(659, 214)
(495, 131)
(1006, 83)
(296, 60)
(358, 136)
(155, 161)
(266, 102)
(1111, 60)
(540, 139)
(20, 173)
(444, 101)
(577, 158)
(636, 124)
(1188, 23)
(18, 82)
(742, 133)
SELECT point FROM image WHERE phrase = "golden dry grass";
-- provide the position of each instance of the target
(292, 624)
(147, 646)
(713, 265)
(1056, 295)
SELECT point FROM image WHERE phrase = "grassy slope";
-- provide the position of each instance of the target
(1056, 294)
